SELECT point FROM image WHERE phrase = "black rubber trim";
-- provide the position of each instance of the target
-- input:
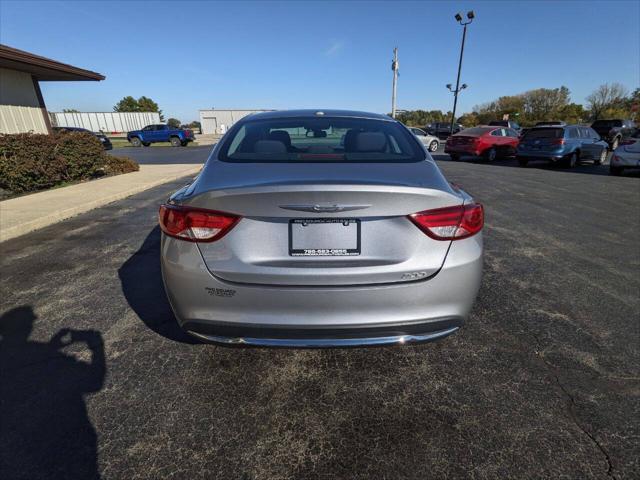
(227, 329)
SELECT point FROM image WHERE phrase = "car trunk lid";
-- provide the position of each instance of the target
(301, 226)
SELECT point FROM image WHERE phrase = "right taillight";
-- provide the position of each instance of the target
(558, 141)
(195, 224)
(450, 223)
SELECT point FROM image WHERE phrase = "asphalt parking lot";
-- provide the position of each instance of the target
(164, 155)
(542, 382)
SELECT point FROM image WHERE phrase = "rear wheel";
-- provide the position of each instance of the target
(617, 171)
(615, 143)
(135, 141)
(522, 161)
(571, 161)
(491, 154)
(175, 141)
(602, 158)
(433, 146)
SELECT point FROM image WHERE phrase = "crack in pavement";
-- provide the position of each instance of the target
(571, 404)
(575, 420)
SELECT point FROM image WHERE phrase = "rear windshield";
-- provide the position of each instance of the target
(607, 123)
(474, 131)
(312, 139)
(544, 133)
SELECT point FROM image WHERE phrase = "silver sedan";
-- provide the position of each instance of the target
(432, 143)
(627, 155)
(321, 229)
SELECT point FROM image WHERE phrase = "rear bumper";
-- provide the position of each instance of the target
(538, 155)
(461, 150)
(346, 336)
(246, 314)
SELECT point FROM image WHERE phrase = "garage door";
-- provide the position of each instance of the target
(209, 125)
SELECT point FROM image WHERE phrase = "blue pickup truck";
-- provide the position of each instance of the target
(160, 133)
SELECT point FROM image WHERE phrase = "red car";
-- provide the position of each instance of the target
(489, 142)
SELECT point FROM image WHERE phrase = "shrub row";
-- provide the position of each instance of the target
(30, 162)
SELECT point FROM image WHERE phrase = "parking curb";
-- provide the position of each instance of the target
(49, 218)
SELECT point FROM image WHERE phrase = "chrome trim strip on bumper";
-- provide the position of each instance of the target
(325, 342)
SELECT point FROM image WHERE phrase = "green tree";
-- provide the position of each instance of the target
(545, 103)
(173, 123)
(420, 118)
(572, 113)
(143, 104)
(469, 120)
(633, 104)
(127, 104)
(528, 107)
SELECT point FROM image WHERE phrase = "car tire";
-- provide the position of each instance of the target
(522, 161)
(571, 160)
(135, 142)
(433, 146)
(615, 143)
(454, 156)
(490, 155)
(602, 158)
(617, 171)
(175, 142)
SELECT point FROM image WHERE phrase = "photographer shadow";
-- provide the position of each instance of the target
(45, 431)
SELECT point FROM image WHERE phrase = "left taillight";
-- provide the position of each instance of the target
(195, 224)
(450, 223)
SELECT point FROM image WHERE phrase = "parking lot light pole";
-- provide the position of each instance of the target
(458, 17)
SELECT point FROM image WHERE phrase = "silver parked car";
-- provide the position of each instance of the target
(318, 229)
(627, 155)
(431, 142)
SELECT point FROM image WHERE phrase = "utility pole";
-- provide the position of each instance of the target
(394, 67)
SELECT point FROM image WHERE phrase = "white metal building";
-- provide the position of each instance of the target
(219, 121)
(107, 122)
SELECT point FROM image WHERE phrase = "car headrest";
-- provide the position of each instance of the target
(269, 146)
(281, 136)
(371, 142)
(350, 140)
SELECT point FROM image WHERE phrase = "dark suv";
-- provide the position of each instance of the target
(505, 123)
(612, 131)
(442, 129)
(104, 140)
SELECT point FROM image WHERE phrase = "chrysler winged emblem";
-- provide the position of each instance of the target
(327, 208)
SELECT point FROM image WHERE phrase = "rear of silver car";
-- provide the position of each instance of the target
(322, 249)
